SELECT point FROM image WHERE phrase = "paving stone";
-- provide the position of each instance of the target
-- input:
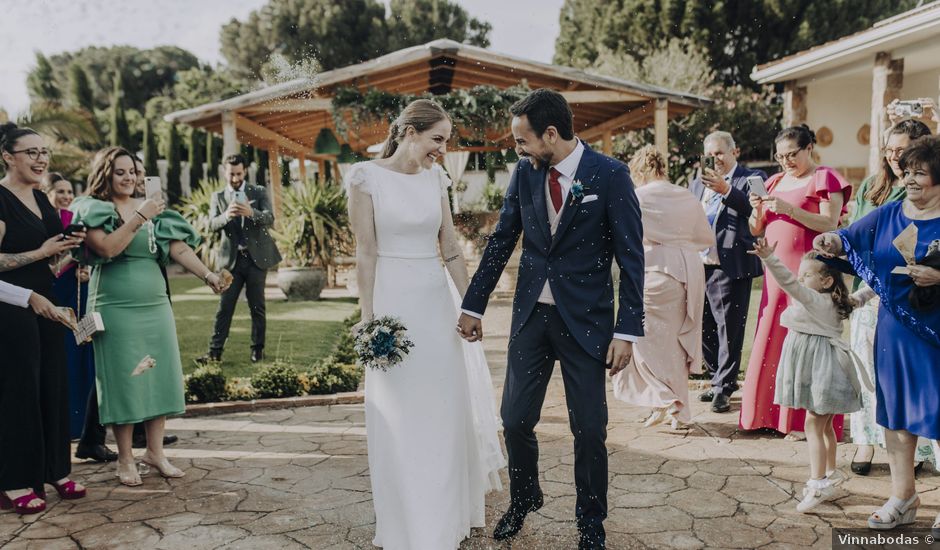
(201, 537)
(118, 535)
(729, 533)
(754, 489)
(702, 503)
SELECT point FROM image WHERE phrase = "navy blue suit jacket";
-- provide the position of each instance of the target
(577, 261)
(731, 231)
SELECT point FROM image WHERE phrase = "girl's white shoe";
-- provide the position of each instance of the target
(815, 493)
(895, 512)
(836, 477)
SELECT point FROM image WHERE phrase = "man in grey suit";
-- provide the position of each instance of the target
(243, 213)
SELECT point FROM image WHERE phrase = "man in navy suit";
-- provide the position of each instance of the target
(576, 212)
(729, 269)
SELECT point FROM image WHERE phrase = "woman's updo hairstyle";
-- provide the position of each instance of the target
(10, 133)
(420, 114)
(801, 134)
(648, 162)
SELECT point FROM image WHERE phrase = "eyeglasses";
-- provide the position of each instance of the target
(788, 157)
(893, 153)
(34, 153)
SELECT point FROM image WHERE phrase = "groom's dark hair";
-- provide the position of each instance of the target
(544, 108)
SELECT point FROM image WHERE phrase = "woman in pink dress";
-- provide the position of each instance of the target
(803, 201)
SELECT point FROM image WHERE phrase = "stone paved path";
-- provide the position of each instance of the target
(298, 479)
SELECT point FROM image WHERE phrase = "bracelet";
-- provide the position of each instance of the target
(205, 278)
(141, 215)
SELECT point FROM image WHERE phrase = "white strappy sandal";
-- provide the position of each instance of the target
(895, 512)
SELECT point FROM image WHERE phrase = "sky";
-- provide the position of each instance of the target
(525, 28)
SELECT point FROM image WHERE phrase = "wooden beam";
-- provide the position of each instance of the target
(321, 171)
(661, 123)
(608, 143)
(291, 105)
(277, 189)
(601, 96)
(625, 120)
(886, 81)
(251, 127)
(229, 134)
(303, 169)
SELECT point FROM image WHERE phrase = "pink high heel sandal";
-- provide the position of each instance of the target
(20, 505)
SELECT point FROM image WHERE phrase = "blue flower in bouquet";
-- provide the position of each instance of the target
(382, 343)
(577, 191)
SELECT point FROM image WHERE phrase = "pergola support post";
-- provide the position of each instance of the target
(230, 145)
(661, 125)
(274, 168)
(887, 78)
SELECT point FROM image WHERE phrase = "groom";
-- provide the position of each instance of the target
(576, 212)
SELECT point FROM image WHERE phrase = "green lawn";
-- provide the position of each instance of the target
(298, 332)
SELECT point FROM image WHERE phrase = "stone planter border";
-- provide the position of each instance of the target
(226, 407)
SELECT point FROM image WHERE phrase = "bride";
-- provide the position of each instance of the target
(431, 420)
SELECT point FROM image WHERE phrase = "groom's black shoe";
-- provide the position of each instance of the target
(512, 520)
(707, 396)
(721, 403)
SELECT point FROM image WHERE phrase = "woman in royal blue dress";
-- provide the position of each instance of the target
(907, 338)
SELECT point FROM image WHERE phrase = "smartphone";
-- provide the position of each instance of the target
(756, 183)
(240, 197)
(153, 189)
(909, 108)
(708, 162)
(73, 228)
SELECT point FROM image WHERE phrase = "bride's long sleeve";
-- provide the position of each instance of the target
(451, 251)
(363, 226)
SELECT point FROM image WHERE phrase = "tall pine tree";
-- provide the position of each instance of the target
(80, 94)
(196, 172)
(120, 132)
(174, 187)
(41, 82)
(150, 149)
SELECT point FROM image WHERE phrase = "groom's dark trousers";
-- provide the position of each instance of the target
(599, 223)
(543, 339)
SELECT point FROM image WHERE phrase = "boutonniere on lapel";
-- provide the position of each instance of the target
(576, 192)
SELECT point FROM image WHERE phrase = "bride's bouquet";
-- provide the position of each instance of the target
(382, 343)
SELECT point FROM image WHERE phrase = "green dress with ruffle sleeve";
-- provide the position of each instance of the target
(129, 293)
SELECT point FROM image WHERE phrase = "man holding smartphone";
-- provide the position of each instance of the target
(243, 214)
(729, 269)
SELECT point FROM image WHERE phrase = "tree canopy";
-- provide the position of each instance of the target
(337, 33)
(736, 34)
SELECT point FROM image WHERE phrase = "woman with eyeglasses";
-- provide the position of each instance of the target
(884, 187)
(803, 200)
(34, 437)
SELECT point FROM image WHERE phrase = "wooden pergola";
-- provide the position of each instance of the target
(287, 118)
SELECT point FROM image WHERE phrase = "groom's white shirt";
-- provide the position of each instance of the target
(567, 168)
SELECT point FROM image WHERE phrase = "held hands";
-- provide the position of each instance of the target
(828, 245)
(762, 249)
(619, 355)
(470, 328)
(923, 275)
(715, 182)
(216, 283)
(236, 209)
(152, 207)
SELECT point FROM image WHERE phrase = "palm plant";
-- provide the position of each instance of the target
(195, 209)
(314, 225)
(68, 132)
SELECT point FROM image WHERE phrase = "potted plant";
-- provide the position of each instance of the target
(314, 228)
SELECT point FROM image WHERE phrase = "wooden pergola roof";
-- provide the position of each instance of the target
(288, 117)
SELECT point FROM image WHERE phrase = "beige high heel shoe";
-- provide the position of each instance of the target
(128, 474)
(163, 466)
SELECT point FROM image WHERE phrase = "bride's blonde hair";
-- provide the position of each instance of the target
(420, 114)
(649, 163)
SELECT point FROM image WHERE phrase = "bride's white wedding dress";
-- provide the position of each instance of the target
(431, 420)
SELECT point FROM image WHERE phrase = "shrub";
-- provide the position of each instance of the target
(277, 380)
(330, 376)
(206, 384)
(345, 352)
(239, 389)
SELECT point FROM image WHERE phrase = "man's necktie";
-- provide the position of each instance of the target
(554, 188)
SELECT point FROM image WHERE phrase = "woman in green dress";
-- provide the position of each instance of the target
(139, 374)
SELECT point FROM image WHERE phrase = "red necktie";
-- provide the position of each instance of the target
(554, 188)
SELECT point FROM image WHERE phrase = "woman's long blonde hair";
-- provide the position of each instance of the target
(649, 163)
(420, 114)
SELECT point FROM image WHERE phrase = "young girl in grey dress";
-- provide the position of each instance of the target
(817, 371)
